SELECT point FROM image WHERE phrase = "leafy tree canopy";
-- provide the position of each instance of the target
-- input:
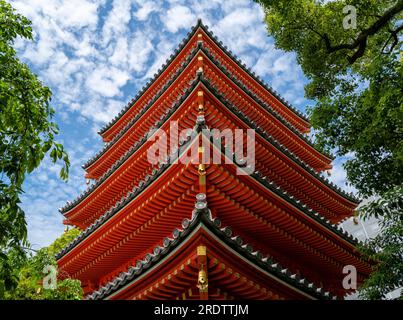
(356, 77)
(387, 247)
(29, 272)
(351, 53)
(27, 134)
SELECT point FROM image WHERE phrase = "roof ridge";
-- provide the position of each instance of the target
(142, 110)
(252, 74)
(157, 172)
(163, 89)
(265, 106)
(226, 51)
(202, 215)
(277, 144)
(272, 186)
(264, 134)
(133, 149)
(149, 82)
(127, 198)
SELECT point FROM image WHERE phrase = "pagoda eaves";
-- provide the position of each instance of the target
(202, 222)
(123, 211)
(296, 163)
(283, 209)
(288, 135)
(294, 114)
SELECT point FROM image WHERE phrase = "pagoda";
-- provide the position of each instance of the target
(185, 230)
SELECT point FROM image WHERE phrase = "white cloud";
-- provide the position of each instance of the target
(241, 29)
(53, 22)
(44, 50)
(105, 110)
(120, 52)
(140, 51)
(107, 81)
(71, 13)
(230, 6)
(132, 53)
(146, 8)
(84, 47)
(116, 23)
(179, 17)
(339, 175)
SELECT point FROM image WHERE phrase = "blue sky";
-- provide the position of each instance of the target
(95, 56)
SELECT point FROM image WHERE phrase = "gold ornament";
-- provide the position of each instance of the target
(202, 282)
(202, 169)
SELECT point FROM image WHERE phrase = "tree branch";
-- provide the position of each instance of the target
(361, 41)
(394, 36)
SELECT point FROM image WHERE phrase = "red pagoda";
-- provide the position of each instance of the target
(175, 230)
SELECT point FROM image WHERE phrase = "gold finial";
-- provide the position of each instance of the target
(202, 169)
(202, 282)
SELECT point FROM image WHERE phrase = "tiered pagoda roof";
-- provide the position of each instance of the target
(202, 222)
(179, 53)
(286, 210)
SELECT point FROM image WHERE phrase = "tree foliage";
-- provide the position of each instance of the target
(355, 76)
(29, 272)
(387, 247)
(27, 134)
